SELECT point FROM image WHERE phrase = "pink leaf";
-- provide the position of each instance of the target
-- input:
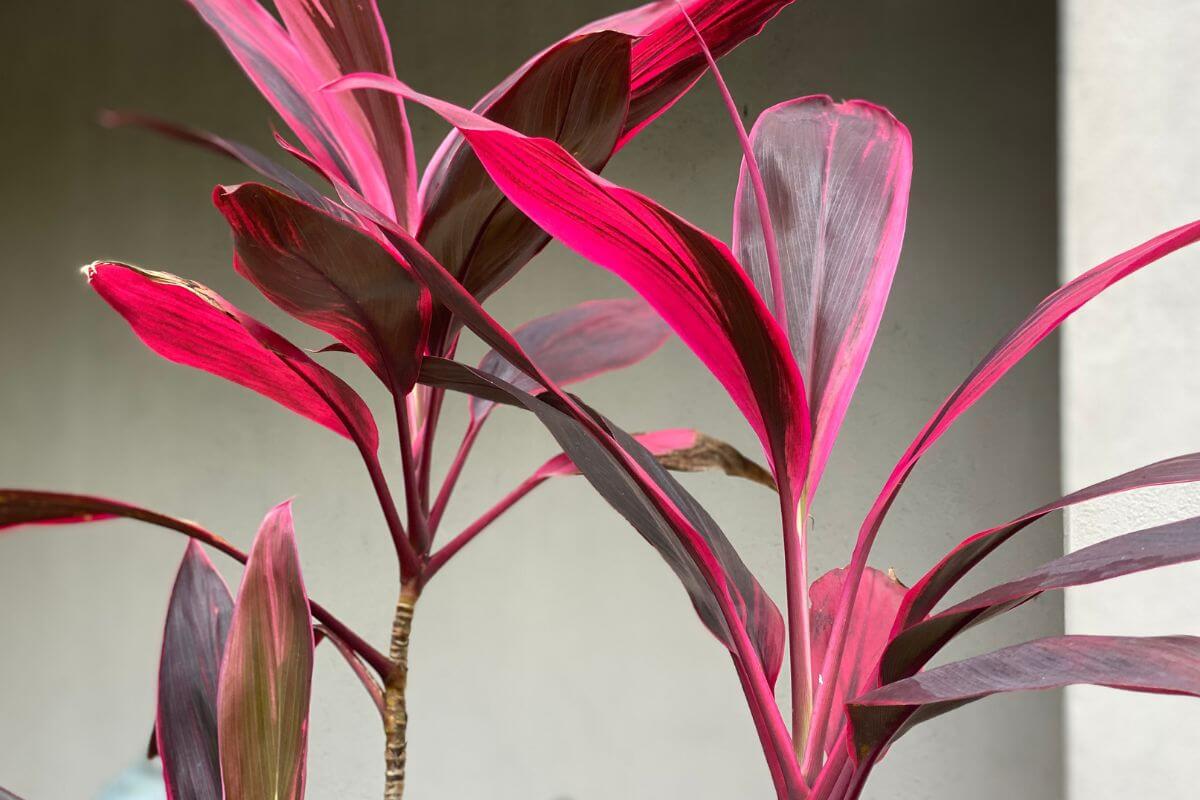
(338, 37)
(334, 130)
(836, 178)
(197, 626)
(192, 325)
(576, 93)
(690, 278)
(331, 275)
(266, 678)
(875, 608)
(1159, 665)
(579, 343)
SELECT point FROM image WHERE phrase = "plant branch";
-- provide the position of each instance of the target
(439, 559)
(417, 523)
(795, 556)
(409, 563)
(451, 479)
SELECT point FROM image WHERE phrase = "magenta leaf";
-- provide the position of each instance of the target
(1160, 665)
(875, 608)
(1161, 546)
(576, 93)
(342, 36)
(197, 625)
(578, 343)
(696, 555)
(334, 130)
(192, 325)
(331, 275)
(690, 278)
(836, 179)
(266, 678)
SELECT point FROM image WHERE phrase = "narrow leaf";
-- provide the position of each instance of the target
(266, 678)
(197, 625)
(579, 343)
(331, 275)
(192, 325)
(1160, 665)
(338, 37)
(5, 794)
(836, 178)
(1174, 543)
(576, 93)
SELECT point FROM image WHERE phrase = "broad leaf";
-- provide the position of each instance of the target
(576, 93)
(836, 178)
(875, 608)
(689, 277)
(578, 343)
(266, 678)
(192, 325)
(333, 130)
(1160, 665)
(331, 275)
(1174, 543)
(197, 625)
(703, 559)
(338, 37)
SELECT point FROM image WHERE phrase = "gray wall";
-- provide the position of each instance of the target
(1131, 121)
(556, 658)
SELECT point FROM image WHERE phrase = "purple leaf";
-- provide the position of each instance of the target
(192, 325)
(193, 646)
(690, 278)
(266, 678)
(576, 93)
(342, 36)
(1174, 543)
(836, 178)
(331, 275)
(333, 130)
(578, 343)
(1160, 665)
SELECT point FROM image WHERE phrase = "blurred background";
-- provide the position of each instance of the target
(557, 657)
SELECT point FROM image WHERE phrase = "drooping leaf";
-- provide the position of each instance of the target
(1173, 543)
(331, 275)
(699, 555)
(192, 325)
(578, 343)
(333, 130)
(836, 178)
(368, 681)
(338, 37)
(266, 678)
(576, 93)
(5, 794)
(193, 645)
(690, 278)
(1158, 664)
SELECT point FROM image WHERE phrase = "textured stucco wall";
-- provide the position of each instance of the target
(557, 658)
(1130, 159)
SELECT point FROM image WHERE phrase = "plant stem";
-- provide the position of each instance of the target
(795, 556)
(417, 524)
(439, 559)
(451, 479)
(409, 564)
(395, 704)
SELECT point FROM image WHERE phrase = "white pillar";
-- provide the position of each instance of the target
(1131, 363)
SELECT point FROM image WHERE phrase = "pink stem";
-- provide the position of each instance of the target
(451, 479)
(409, 563)
(416, 515)
(795, 556)
(760, 725)
(439, 559)
(778, 305)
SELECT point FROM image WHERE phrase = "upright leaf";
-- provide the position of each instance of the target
(576, 93)
(266, 677)
(689, 277)
(1157, 664)
(331, 275)
(338, 37)
(836, 177)
(197, 625)
(334, 131)
(192, 325)
(578, 343)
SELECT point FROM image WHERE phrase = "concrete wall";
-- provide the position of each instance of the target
(557, 658)
(1131, 123)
